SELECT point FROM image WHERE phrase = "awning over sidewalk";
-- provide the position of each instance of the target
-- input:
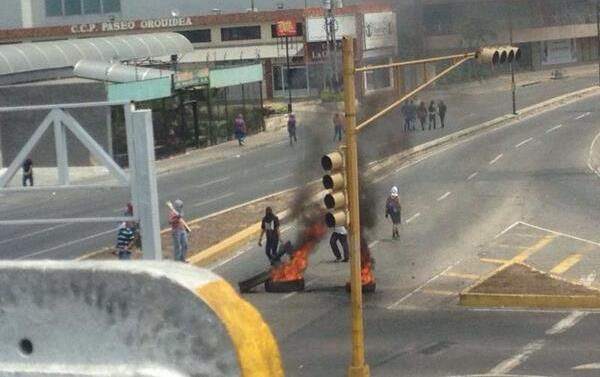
(241, 53)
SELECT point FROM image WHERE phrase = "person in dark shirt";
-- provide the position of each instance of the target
(442, 108)
(270, 227)
(28, 172)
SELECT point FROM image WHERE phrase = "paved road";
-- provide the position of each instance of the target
(241, 176)
(518, 193)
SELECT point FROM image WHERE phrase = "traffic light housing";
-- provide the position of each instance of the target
(498, 55)
(335, 181)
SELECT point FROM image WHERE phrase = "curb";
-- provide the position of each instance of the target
(528, 301)
(229, 244)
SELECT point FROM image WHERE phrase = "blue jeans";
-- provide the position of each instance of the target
(124, 254)
(180, 245)
(338, 134)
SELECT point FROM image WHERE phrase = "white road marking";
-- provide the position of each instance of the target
(420, 287)
(213, 199)
(292, 294)
(282, 178)
(212, 182)
(227, 260)
(587, 366)
(582, 116)
(507, 229)
(496, 159)
(554, 128)
(68, 244)
(413, 217)
(472, 176)
(560, 234)
(507, 365)
(278, 162)
(566, 323)
(33, 233)
(588, 280)
(372, 244)
(447, 194)
(591, 157)
(523, 142)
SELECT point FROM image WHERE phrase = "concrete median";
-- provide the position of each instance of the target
(128, 319)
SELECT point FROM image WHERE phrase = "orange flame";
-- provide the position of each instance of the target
(294, 269)
(366, 265)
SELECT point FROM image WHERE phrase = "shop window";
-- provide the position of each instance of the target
(197, 36)
(72, 7)
(378, 79)
(240, 33)
(54, 8)
(92, 7)
(111, 6)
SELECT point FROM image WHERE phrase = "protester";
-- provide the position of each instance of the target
(393, 209)
(270, 226)
(338, 126)
(442, 112)
(422, 114)
(28, 172)
(412, 115)
(125, 240)
(239, 129)
(178, 231)
(432, 114)
(339, 234)
(405, 111)
(291, 127)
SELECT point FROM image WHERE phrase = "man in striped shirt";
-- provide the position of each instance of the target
(125, 239)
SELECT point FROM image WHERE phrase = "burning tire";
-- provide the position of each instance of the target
(284, 286)
(366, 288)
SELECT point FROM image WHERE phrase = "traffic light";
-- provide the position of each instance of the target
(335, 181)
(498, 55)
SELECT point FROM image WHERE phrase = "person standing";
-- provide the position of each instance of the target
(405, 111)
(270, 226)
(239, 129)
(338, 126)
(178, 231)
(393, 209)
(339, 234)
(412, 115)
(291, 127)
(28, 172)
(442, 112)
(422, 114)
(125, 240)
(432, 114)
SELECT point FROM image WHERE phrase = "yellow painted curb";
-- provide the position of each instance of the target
(528, 301)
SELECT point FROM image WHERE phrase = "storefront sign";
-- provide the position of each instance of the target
(184, 79)
(286, 28)
(316, 52)
(316, 30)
(380, 30)
(559, 52)
(159, 23)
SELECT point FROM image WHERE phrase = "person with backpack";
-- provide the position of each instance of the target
(442, 111)
(239, 129)
(270, 226)
(392, 210)
(432, 114)
(291, 127)
(422, 114)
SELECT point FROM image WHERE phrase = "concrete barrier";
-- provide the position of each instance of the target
(128, 319)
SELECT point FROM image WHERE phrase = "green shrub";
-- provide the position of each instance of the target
(328, 95)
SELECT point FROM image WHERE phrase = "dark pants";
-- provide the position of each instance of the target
(271, 248)
(28, 178)
(442, 118)
(240, 136)
(343, 238)
(292, 134)
(407, 124)
(422, 120)
(432, 121)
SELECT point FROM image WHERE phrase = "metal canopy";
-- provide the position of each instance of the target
(37, 56)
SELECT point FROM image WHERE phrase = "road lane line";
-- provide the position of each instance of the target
(591, 157)
(507, 229)
(282, 178)
(213, 199)
(439, 292)
(462, 276)
(33, 233)
(494, 261)
(523, 142)
(472, 176)
(271, 164)
(566, 323)
(292, 294)
(420, 287)
(212, 182)
(372, 244)
(413, 217)
(566, 264)
(561, 234)
(507, 365)
(229, 259)
(496, 159)
(113, 231)
(447, 194)
(554, 128)
(582, 116)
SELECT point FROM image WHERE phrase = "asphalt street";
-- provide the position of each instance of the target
(522, 192)
(242, 176)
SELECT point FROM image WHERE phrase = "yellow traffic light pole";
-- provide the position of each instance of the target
(359, 367)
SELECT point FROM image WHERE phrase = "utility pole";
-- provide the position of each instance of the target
(332, 25)
(327, 6)
(598, 35)
(513, 86)
(288, 74)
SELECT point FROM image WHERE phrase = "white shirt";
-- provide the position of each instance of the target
(340, 230)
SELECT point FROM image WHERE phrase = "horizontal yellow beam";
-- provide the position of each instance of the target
(468, 55)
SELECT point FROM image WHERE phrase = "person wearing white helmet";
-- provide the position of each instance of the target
(393, 210)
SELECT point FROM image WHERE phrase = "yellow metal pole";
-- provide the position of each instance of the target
(424, 72)
(358, 368)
